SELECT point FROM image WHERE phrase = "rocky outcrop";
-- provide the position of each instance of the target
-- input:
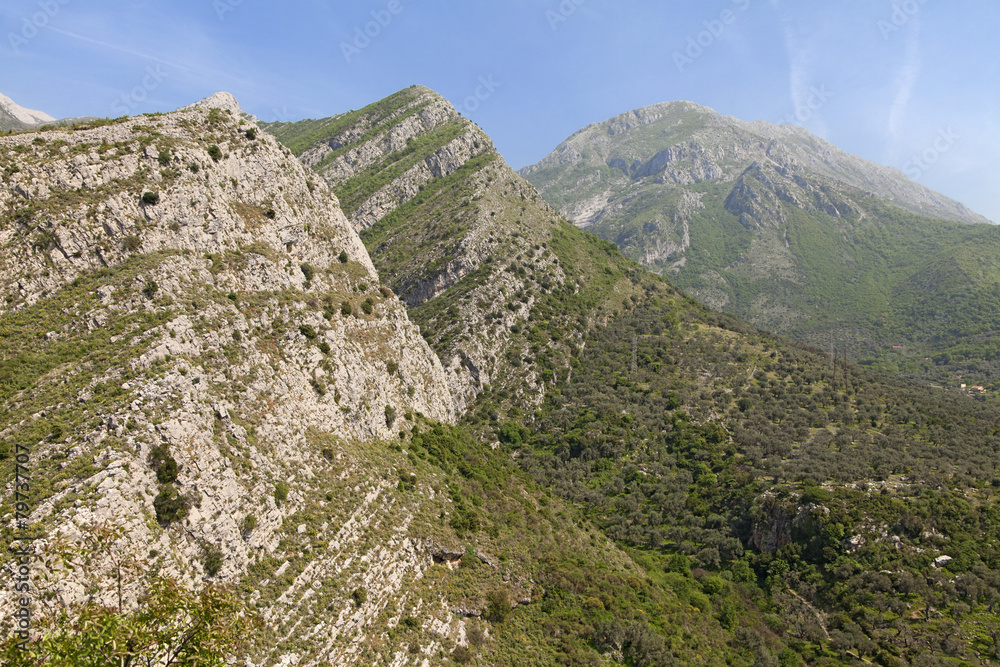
(203, 296)
(685, 164)
(470, 263)
(442, 163)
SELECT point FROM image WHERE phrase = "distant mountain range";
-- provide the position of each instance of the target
(14, 117)
(781, 228)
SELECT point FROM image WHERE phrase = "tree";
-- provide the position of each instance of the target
(171, 626)
(168, 624)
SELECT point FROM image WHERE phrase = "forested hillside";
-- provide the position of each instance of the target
(811, 510)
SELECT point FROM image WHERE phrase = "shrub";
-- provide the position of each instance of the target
(248, 524)
(251, 134)
(271, 214)
(307, 331)
(163, 464)
(194, 167)
(392, 367)
(324, 347)
(360, 596)
(280, 492)
(151, 198)
(132, 242)
(215, 153)
(170, 505)
(343, 257)
(212, 561)
(497, 606)
(150, 289)
(308, 271)
(390, 415)
(346, 309)
(368, 306)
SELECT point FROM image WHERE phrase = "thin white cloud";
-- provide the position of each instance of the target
(799, 75)
(196, 69)
(905, 82)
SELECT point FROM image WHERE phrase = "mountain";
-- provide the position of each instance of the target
(695, 441)
(247, 446)
(215, 387)
(785, 230)
(486, 268)
(16, 117)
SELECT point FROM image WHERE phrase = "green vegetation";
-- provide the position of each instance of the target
(163, 464)
(172, 626)
(170, 505)
(280, 492)
(378, 118)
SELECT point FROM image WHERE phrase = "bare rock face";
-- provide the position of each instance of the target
(221, 100)
(204, 296)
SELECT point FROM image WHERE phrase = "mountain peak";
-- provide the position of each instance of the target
(26, 116)
(221, 100)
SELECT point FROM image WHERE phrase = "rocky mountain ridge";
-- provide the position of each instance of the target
(205, 364)
(710, 146)
(466, 243)
(201, 297)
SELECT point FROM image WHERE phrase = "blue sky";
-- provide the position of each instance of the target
(913, 84)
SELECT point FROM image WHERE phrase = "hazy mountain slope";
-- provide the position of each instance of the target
(772, 224)
(15, 117)
(683, 143)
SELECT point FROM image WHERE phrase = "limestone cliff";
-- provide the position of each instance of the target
(178, 285)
